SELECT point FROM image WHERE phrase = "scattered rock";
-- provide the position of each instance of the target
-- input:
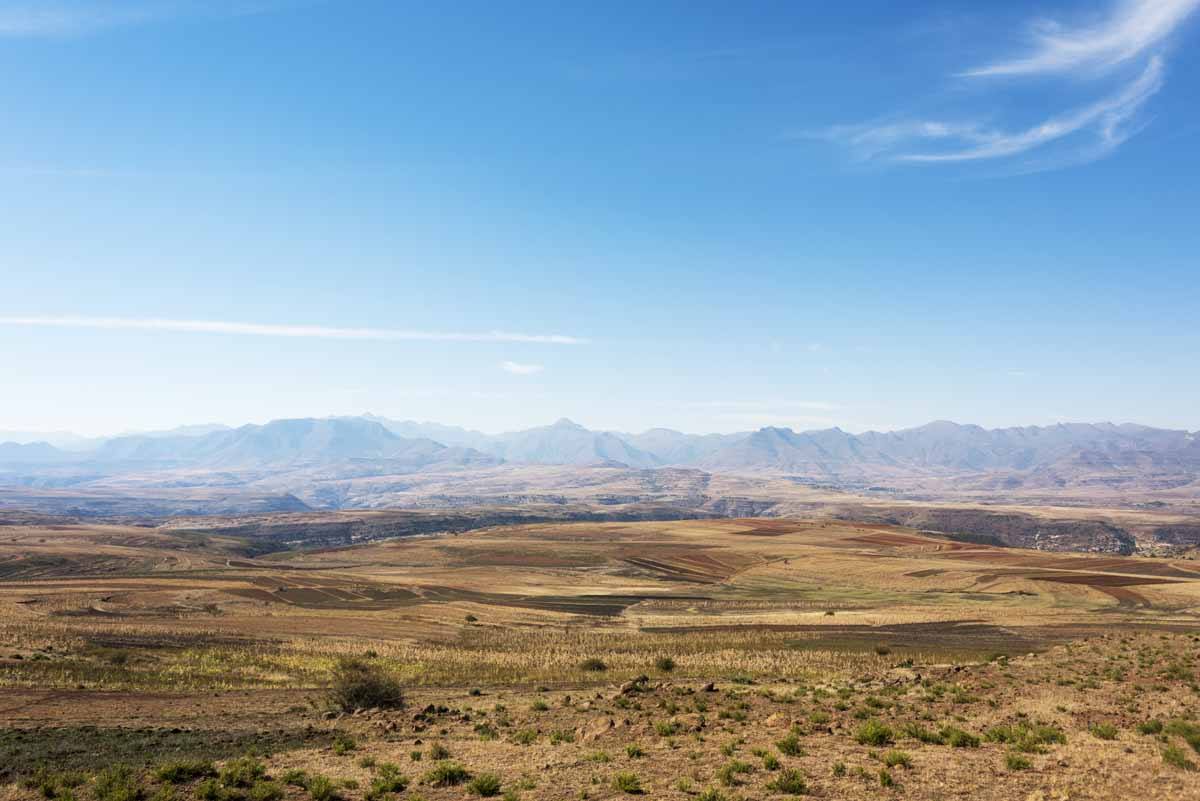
(596, 728)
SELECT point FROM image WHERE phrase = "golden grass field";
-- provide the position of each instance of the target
(140, 645)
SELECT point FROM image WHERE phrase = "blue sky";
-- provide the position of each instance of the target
(711, 216)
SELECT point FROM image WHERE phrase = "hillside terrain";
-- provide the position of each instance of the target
(708, 659)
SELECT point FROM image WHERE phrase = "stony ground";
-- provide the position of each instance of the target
(1109, 717)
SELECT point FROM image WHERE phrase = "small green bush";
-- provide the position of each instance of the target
(895, 759)
(664, 664)
(265, 791)
(485, 785)
(875, 733)
(728, 773)
(957, 738)
(242, 772)
(1175, 756)
(789, 745)
(1104, 731)
(321, 788)
(388, 779)
(627, 782)
(118, 783)
(593, 665)
(209, 790)
(446, 774)
(1014, 761)
(184, 771)
(295, 778)
(789, 781)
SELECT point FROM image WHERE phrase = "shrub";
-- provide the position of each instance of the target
(666, 728)
(789, 781)
(789, 745)
(1174, 755)
(438, 751)
(728, 772)
(53, 784)
(539, 705)
(295, 778)
(886, 779)
(711, 794)
(918, 732)
(897, 759)
(664, 664)
(208, 790)
(1104, 731)
(358, 684)
(839, 768)
(957, 738)
(593, 665)
(446, 774)
(882, 650)
(242, 772)
(485, 785)
(388, 780)
(525, 736)
(183, 772)
(634, 751)
(875, 733)
(1014, 761)
(1150, 727)
(265, 791)
(627, 782)
(321, 788)
(770, 762)
(117, 783)
(344, 744)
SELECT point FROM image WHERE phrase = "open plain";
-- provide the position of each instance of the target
(733, 658)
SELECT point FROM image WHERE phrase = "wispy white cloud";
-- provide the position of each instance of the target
(274, 330)
(1132, 28)
(1079, 134)
(516, 368)
(1107, 119)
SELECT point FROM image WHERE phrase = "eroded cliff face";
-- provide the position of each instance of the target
(268, 533)
(1182, 534)
(1009, 529)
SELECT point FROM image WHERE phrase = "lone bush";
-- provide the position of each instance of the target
(358, 684)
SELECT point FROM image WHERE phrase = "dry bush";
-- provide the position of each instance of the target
(358, 684)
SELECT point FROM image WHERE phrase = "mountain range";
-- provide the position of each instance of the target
(398, 446)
